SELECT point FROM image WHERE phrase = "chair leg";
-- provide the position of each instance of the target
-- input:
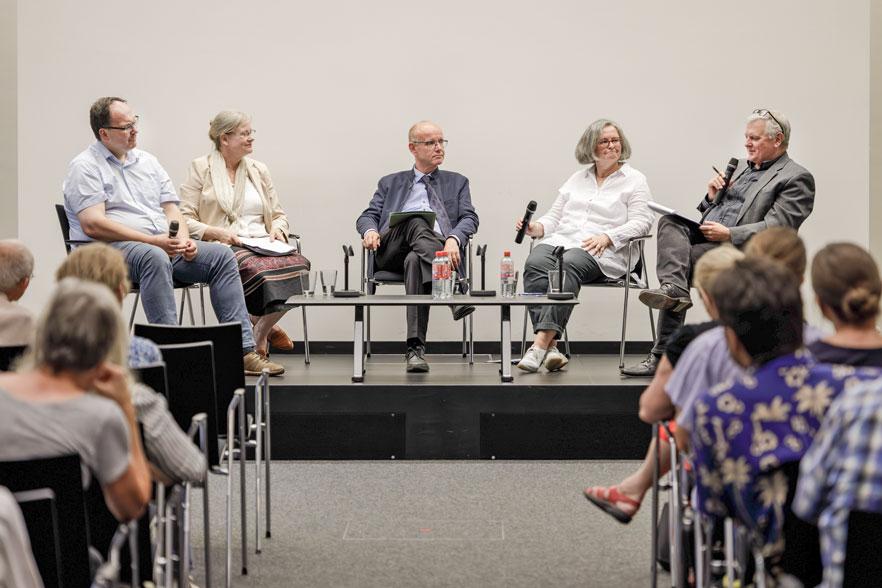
(652, 324)
(305, 337)
(624, 327)
(202, 301)
(471, 339)
(465, 350)
(367, 346)
(524, 332)
(190, 308)
(567, 343)
(134, 308)
(181, 313)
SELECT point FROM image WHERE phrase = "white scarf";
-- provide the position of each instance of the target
(228, 198)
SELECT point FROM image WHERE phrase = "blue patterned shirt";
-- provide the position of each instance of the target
(842, 471)
(143, 352)
(755, 423)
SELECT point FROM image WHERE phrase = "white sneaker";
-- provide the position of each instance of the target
(555, 360)
(532, 359)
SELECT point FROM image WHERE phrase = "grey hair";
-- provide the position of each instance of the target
(224, 122)
(16, 264)
(773, 127)
(588, 143)
(80, 327)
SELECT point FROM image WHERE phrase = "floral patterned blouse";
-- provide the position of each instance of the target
(755, 423)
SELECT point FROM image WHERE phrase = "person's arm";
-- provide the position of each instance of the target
(279, 226)
(467, 223)
(640, 217)
(187, 246)
(819, 462)
(655, 404)
(551, 219)
(791, 207)
(191, 196)
(368, 223)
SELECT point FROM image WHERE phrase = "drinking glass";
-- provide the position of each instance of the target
(554, 285)
(329, 282)
(309, 282)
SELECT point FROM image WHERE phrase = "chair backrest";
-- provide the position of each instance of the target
(9, 354)
(64, 223)
(40, 513)
(153, 376)
(63, 476)
(863, 566)
(190, 370)
(229, 367)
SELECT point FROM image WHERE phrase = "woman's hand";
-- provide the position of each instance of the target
(278, 235)
(597, 244)
(534, 229)
(110, 382)
(221, 236)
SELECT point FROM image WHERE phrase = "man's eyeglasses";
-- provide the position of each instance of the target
(126, 128)
(431, 144)
(606, 142)
(766, 112)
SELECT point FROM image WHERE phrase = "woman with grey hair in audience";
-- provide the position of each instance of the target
(71, 395)
(16, 267)
(597, 210)
(227, 197)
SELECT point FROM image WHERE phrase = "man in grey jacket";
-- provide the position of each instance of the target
(767, 189)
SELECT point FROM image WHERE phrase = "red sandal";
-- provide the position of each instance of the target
(609, 501)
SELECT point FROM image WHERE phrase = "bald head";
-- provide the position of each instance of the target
(16, 267)
(426, 142)
(421, 128)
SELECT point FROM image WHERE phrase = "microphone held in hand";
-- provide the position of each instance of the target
(730, 170)
(528, 215)
(173, 229)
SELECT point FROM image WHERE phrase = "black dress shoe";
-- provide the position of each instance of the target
(644, 369)
(415, 360)
(460, 312)
(667, 297)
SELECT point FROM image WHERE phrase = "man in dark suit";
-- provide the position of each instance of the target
(767, 189)
(409, 247)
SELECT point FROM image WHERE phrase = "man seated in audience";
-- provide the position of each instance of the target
(410, 246)
(71, 395)
(767, 189)
(172, 455)
(748, 427)
(16, 267)
(116, 193)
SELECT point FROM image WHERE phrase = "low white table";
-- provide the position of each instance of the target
(359, 303)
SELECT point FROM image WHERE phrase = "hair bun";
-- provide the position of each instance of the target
(860, 304)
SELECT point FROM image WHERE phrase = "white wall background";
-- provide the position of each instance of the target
(333, 87)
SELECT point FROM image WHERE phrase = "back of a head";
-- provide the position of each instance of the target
(16, 264)
(759, 300)
(96, 262)
(712, 264)
(80, 327)
(782, 244)
(845, 278)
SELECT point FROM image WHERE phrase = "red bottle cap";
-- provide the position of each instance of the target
(506, 253)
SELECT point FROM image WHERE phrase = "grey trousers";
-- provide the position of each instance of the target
(580, 267)
(410, 248)
(680, 245)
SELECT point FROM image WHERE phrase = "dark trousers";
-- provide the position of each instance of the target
(680, 245)
(409, 248)
(580, 267)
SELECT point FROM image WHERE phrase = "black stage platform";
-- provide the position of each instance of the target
(456, 411)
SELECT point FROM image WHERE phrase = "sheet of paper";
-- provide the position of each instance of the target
(264, 243)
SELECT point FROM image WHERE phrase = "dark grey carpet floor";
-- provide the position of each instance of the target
(433, 524)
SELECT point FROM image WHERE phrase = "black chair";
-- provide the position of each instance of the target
(154, 377)
(371, 278)
(184, 287)
(636, 279)
(63, 476)
(40, 513)
(863, 566)
(9, 354)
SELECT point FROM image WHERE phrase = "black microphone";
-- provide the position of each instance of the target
(531, 208)
(730, 169)
(173, 229)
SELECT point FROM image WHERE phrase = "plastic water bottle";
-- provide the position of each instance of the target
(441, 275)
(507, 275)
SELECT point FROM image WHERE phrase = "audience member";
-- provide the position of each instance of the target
(116, 193)
(623, 500)
(767, 189)
(168, 448)
(229, 196)
(71, 395)
(409, 247)
(748, 427)
(16, 267)
(595, 213)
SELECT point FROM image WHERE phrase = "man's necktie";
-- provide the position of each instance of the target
(437, 205)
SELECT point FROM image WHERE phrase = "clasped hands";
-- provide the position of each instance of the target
(173, 246)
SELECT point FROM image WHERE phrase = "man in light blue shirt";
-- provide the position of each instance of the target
(116, 193)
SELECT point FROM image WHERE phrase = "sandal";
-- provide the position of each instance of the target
(614, 503)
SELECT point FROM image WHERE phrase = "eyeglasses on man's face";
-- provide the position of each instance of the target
(763, 112)
(432, 144)
(609, 142)
(125, 128)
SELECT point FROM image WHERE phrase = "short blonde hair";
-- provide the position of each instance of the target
(225, 122)
(97, 262)
(588, 142)
(713, 263)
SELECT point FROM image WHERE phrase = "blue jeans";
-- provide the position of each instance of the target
(154, 273)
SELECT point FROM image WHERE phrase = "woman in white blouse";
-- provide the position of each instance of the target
(228, 196)
(596, 211)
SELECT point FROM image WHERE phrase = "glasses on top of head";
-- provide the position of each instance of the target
(126, 128)
(764, 112)
(606, 142)
(431, 144)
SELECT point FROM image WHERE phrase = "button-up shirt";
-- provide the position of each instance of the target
(727, 210)
(618, 208)
(132, 191)
(419, 198)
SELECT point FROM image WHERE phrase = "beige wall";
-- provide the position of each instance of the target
(876, 129)
(8, 122)
(333, 87)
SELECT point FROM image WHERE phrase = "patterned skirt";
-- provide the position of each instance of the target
(268, 281)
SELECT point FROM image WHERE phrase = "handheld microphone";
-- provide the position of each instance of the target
(531, 208)
(173, 229)
(730, 169)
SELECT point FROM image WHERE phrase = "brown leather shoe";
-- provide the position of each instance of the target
(279, 339)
